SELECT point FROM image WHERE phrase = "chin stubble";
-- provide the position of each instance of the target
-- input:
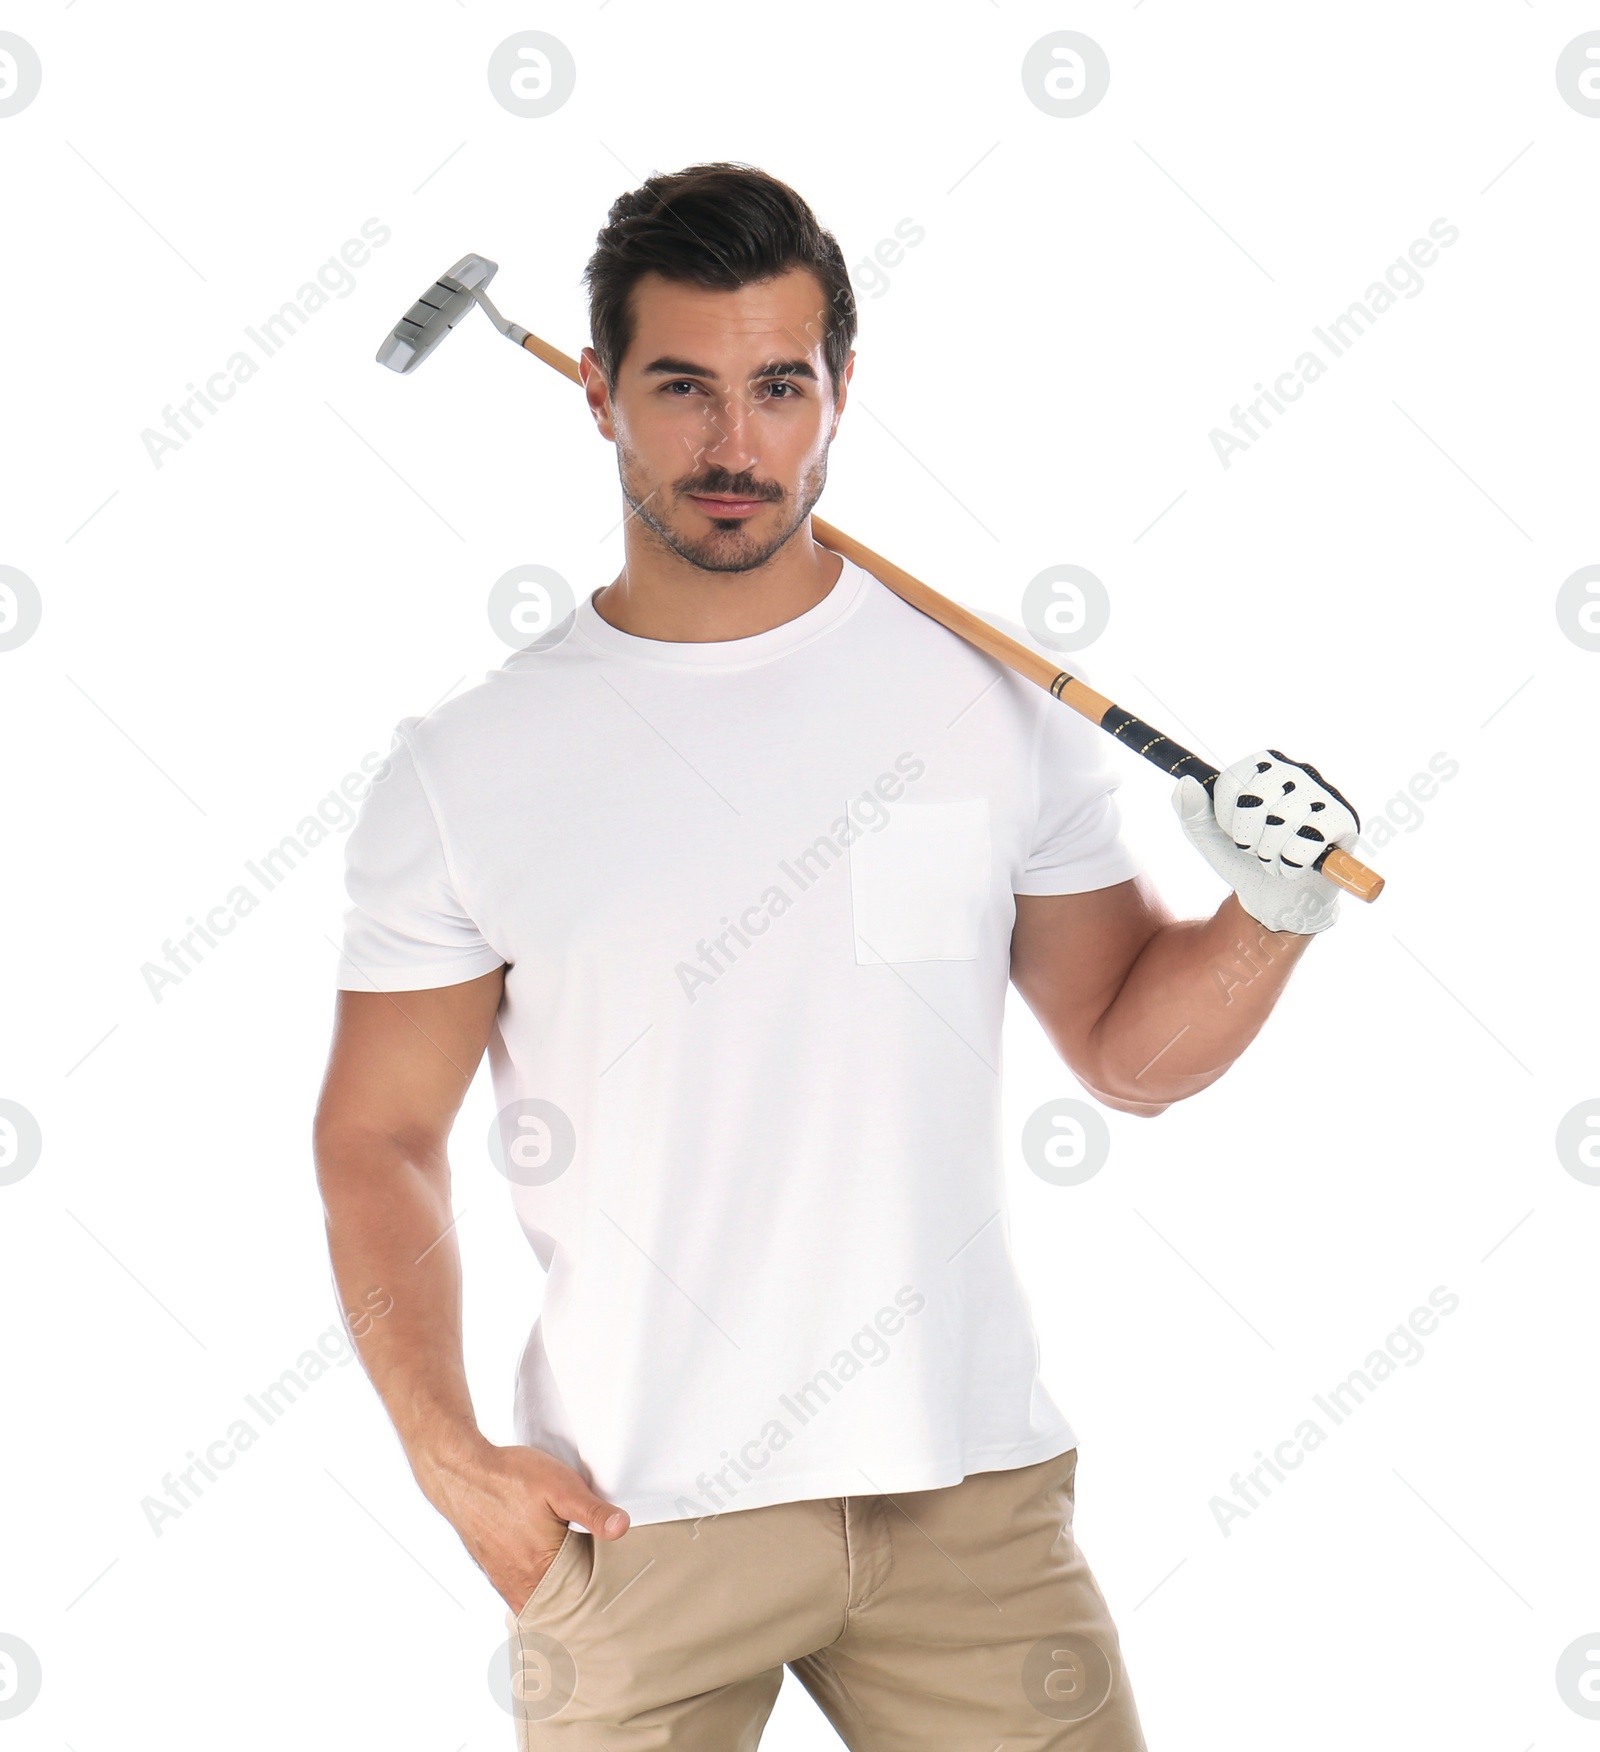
(711, 555)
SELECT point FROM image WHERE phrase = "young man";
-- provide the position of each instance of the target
(728, 872)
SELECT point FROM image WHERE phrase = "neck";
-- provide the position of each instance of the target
(660, 595)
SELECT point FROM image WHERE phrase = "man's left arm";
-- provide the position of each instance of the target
(1146, 1009)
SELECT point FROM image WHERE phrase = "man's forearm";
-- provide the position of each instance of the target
(390, 1227)
(1194, 999)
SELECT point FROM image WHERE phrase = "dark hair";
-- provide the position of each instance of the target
(715, 225)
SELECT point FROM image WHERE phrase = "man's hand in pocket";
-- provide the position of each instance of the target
(511, 1507)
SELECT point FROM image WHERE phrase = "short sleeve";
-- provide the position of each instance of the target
(407, 928)
(1077, 842)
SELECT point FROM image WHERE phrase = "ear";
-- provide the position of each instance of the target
(844, 391)
(597, 392)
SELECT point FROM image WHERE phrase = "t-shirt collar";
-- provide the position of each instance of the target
(847, 592)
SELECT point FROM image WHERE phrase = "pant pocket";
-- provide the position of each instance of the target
(546, 1582)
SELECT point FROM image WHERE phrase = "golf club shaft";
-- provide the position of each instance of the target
(1338, 865)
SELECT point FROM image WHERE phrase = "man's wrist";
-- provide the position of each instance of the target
(449, 1454)
(1305, 915)
(1252, 924)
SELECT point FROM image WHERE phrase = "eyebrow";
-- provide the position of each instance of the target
(667, 366)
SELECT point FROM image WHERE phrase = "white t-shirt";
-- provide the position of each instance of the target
(754, 899)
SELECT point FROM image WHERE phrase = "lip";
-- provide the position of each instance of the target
(715, 507)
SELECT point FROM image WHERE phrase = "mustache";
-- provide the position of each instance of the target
(731, 486)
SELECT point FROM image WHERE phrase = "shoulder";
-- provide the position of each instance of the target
(1030, 697)
(526, 689)
(895, 610)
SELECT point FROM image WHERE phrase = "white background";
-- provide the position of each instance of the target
(1371, 584)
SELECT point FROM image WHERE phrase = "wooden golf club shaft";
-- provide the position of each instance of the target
(1338, 865)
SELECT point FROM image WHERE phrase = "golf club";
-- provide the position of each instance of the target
(449, 298)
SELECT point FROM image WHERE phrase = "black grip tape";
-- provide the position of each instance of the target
(1172, 757)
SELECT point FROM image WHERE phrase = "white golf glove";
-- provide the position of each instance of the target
(1264, 824)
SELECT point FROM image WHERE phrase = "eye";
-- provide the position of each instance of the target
(783, 383)
(681, 383)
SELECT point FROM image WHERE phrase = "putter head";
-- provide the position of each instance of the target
(435, 313)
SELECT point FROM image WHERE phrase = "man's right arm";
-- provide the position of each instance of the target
(400, 1066)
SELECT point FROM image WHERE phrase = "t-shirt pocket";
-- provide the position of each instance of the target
(919, 886)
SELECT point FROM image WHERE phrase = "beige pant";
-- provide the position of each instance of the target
(961, 1618)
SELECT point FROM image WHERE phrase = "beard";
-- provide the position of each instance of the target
(730, 545)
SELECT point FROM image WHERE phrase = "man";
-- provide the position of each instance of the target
(728, 871)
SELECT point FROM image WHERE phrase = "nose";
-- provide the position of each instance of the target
(727, 438)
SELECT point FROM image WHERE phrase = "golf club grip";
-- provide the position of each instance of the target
(1334, 863)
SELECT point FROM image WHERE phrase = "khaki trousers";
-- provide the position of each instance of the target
(962, 1618)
